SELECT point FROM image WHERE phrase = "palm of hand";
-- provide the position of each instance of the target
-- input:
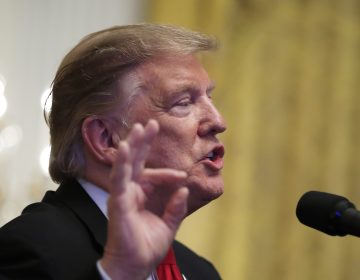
(138, 238)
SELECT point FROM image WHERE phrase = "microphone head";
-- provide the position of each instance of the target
(321, 211)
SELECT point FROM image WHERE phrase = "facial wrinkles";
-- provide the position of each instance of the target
(180, 138)
(159, 89)
(150, 87)
(177, 78)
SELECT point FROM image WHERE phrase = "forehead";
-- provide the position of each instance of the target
(173, 73)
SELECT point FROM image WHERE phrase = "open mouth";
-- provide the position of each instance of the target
(215, 154)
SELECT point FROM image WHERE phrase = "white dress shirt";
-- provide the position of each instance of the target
(100, 197)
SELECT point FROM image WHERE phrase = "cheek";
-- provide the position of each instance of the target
(159, 156)
(170, 150)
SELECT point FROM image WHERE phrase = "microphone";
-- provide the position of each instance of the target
(329, 213)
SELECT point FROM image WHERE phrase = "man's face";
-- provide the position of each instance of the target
(176, 91)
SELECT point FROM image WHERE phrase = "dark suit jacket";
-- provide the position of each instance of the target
(63, 236)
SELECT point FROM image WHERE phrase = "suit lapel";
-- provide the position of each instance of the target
(75, 197)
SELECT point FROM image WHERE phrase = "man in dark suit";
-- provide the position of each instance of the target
(135, 150)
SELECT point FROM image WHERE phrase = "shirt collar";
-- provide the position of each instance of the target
(97, 194)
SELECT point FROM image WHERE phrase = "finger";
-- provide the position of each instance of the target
(163, 176)
(151, 130)
(141, 144)
(163, 181)
(142, 134)
(176, 209)
(120, 174)
(135, 138)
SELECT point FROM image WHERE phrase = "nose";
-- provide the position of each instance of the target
(211, 121)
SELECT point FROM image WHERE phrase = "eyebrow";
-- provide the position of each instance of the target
(191, 86)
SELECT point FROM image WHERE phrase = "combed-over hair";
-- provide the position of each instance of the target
(85, 80)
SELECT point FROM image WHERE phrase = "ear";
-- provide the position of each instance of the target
(99, 138)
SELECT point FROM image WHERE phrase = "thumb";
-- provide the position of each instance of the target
(176, 209)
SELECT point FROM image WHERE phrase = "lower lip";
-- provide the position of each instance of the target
(215, 165)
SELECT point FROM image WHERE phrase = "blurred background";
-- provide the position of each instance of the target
(288, 82)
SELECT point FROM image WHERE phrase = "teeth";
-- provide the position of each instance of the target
(210, 155)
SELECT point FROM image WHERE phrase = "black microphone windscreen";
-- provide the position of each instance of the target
(318, 210)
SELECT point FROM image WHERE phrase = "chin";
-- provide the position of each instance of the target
(199, 197)
(214, 194)
(214, 188)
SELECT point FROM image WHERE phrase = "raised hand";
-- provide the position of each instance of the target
(139, 236)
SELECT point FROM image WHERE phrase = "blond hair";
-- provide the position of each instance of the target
(85, 80)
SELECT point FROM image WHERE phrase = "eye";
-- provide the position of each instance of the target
(182, 107)
(183, 102)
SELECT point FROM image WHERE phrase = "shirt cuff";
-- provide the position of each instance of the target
(102, 272)
(105, 276)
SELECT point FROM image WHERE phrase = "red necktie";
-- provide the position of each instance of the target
(167, 269)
